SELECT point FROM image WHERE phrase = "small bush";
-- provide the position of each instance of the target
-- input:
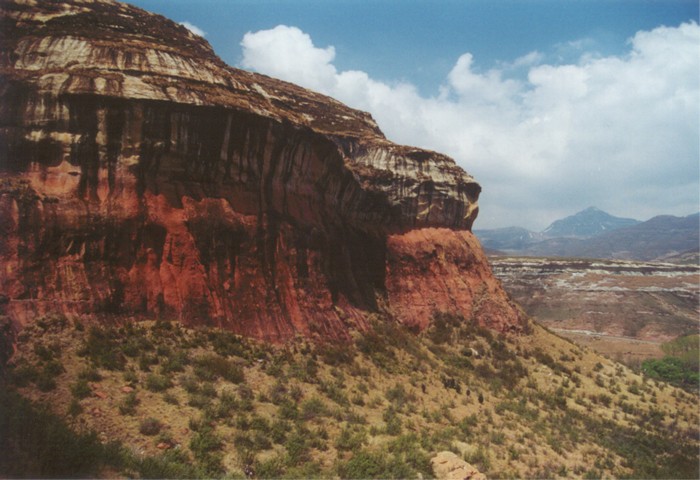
(204, 442)
(75, 409)
(312, 408)
(158, 383)
(80, 389)
(369, 464)
(131, 377)
(22, 374)
(128, 405)
(170, 398)
(197, 400)
(270, 468)
(210, 367)
(350, 439)
(176, 362)
(208, 390)
(297, 448)
(150, 426)
(45, 382)
(91, 374)
(103, 349)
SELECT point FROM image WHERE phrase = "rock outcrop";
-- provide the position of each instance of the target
(142, 177)
(448, 466)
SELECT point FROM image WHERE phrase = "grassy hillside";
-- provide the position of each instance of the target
(185, 403)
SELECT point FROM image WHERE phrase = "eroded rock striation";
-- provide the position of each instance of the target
(142, 177)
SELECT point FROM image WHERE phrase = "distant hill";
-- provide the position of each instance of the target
(587, 223)
(663, 238)
(509, 238)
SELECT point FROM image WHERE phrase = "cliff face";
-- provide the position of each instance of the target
(141, 177)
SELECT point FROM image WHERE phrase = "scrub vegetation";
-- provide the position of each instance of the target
(173, 402)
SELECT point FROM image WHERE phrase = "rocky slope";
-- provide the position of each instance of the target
(143, 177)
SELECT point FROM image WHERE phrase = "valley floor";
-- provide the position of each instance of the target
(622, 309)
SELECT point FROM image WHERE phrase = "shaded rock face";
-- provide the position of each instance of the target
(141, 176)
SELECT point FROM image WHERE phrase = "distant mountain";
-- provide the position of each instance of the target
(593, 233)
(660, 238)
(508, 239)
(587, 223)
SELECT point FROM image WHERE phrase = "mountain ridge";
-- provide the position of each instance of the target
(586, 223)
(660, 237)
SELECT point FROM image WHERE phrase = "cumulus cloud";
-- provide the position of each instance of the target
(194, 29)
(618, 132)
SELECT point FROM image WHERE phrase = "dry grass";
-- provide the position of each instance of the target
(521, 406)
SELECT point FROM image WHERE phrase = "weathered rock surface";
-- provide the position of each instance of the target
(448, 466)
(141, 176)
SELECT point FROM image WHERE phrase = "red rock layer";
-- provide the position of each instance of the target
(439, 270)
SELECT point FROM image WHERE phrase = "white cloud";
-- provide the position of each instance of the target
(618, 132)
(194, 29)
(288, 53)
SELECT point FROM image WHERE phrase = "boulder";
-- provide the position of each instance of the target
(448, 466)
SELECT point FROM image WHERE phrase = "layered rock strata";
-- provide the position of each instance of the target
(142, 177)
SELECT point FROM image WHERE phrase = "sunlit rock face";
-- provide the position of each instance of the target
(142, 177)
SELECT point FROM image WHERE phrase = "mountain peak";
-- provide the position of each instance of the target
(587, 223)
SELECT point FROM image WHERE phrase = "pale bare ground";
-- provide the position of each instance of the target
(623, 310)
(630, 351)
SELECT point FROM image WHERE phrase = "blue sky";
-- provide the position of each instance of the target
(553, 106)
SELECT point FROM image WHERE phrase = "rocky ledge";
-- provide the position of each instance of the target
(143, 177)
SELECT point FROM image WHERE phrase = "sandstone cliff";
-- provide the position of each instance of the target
(143, 177)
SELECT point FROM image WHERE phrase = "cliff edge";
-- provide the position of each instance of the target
(142, 177)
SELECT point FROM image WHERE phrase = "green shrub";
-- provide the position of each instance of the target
(369, 464)
(91, 374)
(158, 383)
(80, 389)
(131, 377)
(312, 408)
(398, 396)
(171, 464)
(74, 408)
(197, 400)
(103, 349)
(53, 368)
(673, 370)
(204, 442)
(210, 367)
(128, 404)
(170, 398)
(208, 390)
(297, 448)
(45, 381)
(442, 327)
(278, 392)
(175, 362)
(278, 431)
(351, 439)
(269, 468)
(393, 422)
(146, 360)
(227, 404)
(150, 426)
(23, 374)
